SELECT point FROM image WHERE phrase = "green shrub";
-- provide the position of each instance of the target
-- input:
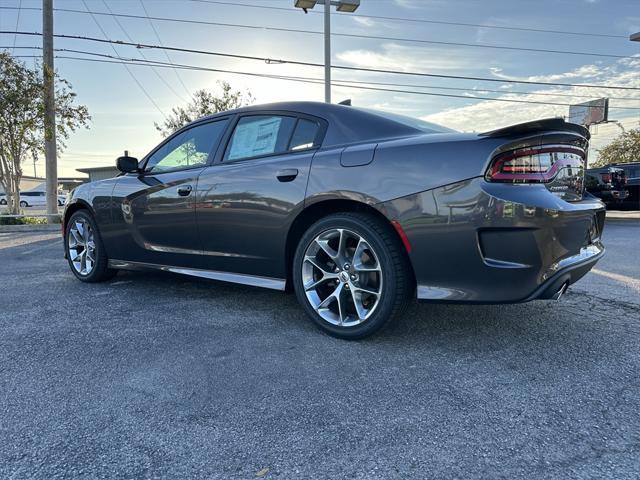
(25, 220)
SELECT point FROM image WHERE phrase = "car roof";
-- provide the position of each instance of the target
(346, 124)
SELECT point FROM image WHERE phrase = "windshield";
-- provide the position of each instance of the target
(412, 122)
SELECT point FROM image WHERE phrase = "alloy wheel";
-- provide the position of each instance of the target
(342, 277)
(82, 246)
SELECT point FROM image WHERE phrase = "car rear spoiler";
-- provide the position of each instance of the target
(544, 125)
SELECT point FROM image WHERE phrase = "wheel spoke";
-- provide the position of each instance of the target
(330, 298)
(324, 245)
(358, 264)
(368, 290)
(342, 240)
(316, 264)
(342, 310)
(357, 302)
(76, 235)
(80, 230)
(314, 284)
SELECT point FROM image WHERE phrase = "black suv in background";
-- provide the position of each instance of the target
(609, 184)
(632, 177)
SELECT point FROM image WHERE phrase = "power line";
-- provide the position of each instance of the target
(125, 66)
(423, 20)
(337, 67)
(166, 54)
(352, 35)
(318, 81)
(15, 37)
(371, 82)
(162, 79)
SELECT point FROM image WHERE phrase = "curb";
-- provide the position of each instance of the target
(622, 217)
(30, 228)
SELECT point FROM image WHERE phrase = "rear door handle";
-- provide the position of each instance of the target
(287, 175)
(184, 190)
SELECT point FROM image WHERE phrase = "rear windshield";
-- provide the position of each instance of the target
(412, 122)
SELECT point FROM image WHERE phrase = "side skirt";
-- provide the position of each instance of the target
(253, 280)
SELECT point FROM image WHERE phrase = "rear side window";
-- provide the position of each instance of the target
(304, 135)
(260, 135)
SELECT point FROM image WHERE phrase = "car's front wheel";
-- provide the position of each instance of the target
(351, 274)
(85, 251)
(23, 204)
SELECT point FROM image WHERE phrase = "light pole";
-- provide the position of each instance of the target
(347, 6)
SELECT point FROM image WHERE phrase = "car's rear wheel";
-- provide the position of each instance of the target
(3, 202)
(351, 274)
(23, 204)
(85, 250)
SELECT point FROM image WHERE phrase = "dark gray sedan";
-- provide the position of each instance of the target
(357, 211)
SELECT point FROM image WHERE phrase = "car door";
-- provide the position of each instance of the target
(248, 198)
(154, 209)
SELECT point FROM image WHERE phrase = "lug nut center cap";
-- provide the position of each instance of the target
(343, 277)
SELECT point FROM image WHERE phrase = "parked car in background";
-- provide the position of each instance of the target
(632, 174)
(33, 199)
(355, 210)
(607, 183)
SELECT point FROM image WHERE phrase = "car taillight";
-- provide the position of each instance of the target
(606, 178)
(534, 165)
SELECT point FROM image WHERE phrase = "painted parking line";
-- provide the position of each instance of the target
(633, 283)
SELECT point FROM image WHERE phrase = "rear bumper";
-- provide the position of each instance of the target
(479, 242)
(572, 269)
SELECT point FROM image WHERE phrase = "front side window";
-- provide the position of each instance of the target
(260, 135)
(188, 149)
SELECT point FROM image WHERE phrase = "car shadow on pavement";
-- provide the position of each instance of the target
(535, 327)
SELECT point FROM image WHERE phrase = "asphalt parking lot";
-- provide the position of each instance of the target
(157, 375)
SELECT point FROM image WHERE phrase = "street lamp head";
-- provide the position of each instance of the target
(305, 4)
(347, 6)
(635, 37)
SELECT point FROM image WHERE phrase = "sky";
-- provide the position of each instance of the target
(123, 115)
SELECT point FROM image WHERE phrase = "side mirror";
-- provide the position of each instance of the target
(127, 164)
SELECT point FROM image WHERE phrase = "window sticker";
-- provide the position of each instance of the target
(255, 137)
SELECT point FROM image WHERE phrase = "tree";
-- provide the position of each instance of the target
(202, 104)
(624, 148)
(22, 120)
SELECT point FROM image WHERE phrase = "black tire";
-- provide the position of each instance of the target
(397, 278)
(100, 271)
(23, 204)
(3, 202)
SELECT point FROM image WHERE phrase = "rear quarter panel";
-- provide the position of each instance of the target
(401, 167)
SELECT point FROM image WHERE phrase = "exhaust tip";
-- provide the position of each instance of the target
(561, 291)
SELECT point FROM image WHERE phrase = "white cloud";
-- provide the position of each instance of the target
(408, 58)
(409, 3)
(488, 115)
(584, 72)
(364, 21)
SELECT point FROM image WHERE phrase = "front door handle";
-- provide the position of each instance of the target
(287, 175)
(184, 190)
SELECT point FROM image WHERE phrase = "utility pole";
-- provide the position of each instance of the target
(327, 51)
(50, 150)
